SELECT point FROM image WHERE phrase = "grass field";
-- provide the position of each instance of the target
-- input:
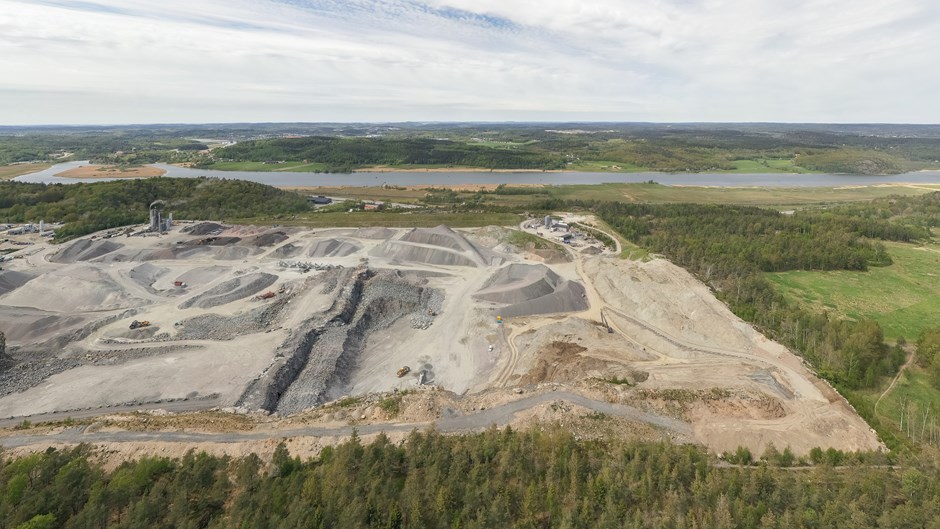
(9, 172)
(903, 298)
(762, 196)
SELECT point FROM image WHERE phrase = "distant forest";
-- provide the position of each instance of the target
(855, 149)
(499, 478)
(87, 208)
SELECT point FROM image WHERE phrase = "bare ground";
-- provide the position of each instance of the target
(637, 347)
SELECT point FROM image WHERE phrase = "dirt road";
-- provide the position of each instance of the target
(451, 423)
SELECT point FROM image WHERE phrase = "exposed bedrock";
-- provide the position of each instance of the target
(319, 357)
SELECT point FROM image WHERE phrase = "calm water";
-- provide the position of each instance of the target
(440, 178)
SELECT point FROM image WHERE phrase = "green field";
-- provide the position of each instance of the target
(761, 196)
(903, 298)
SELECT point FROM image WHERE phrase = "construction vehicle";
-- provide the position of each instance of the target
(403, 371)
(267, 295)
(604, 321)
(139, 324)
(179, 284)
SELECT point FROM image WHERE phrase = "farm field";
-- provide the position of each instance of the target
(903, 298)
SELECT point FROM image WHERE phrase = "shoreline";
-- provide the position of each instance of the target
(111, 171)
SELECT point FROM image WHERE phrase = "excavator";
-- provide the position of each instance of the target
(139, 324)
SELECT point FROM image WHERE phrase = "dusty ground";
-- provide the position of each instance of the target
(112, 171)
(604, 345)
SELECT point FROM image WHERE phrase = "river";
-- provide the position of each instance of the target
(404, 178)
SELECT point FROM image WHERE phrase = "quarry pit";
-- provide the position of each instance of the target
(286, 321)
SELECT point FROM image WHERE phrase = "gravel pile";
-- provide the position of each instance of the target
(84, 250)
(11, 280)
(204, 228)
(306, 265)
(222, 328)
(231, 290)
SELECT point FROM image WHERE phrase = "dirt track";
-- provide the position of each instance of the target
(500, 415)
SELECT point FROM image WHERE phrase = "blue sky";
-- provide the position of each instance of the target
(136, 61)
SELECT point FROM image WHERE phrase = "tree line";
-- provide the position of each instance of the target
(730, 247)
(89, 207)
(539, 478)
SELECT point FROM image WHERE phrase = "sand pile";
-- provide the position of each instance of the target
(74, 289)
(526, 290)
(11, 280)
(204, 228)
(231, 290)
(84, 250)
(334, 248)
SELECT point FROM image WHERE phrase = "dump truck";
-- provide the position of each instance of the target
(139, 324)
(403, 371)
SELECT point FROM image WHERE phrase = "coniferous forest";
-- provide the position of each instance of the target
(498, 478)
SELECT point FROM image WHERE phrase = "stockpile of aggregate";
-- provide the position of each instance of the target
(518, 283)
(202, 275)
(222, 328)
(400, 252)
(204, 228)
(75, 288)
(333, 248)
(84, 250)
(267, 239)
(147, 274)
(375, 233)
(287, 251)
(11, 280)
(527, 290)
(231, 290)
(568, 297)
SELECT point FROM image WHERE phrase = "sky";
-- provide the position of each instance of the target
(220, 61)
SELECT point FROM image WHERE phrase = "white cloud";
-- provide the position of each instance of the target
(120, 61)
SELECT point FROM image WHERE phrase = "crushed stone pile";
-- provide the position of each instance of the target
(527, 290)
(84, 250)
(11, 280)
(287, 251)
(202, 275)
(231, 290)
(147, 274)
(204, 228)
(518, 283)
(78, 288)
(375, 233)
(333, 248)
(266, 240)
